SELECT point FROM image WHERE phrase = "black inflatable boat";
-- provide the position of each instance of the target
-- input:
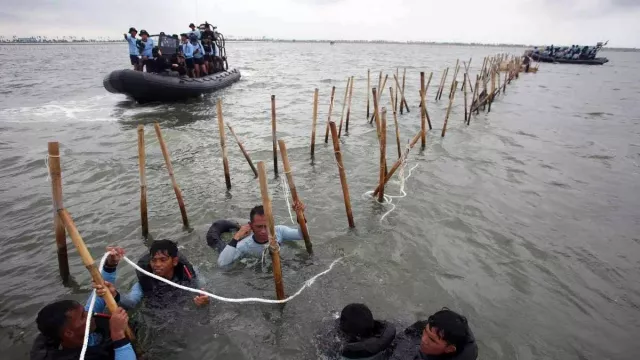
(146, 87)
(550, 59)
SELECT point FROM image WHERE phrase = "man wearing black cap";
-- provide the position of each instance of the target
(194, 30)
(134, 54)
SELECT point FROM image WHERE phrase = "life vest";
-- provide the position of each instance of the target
(160, 294)
(373, 347)
(46, 349)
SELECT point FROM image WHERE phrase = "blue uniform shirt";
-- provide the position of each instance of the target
(249, 247)
(199, 54)
(148, 48)
(133, 49)
(187, 50)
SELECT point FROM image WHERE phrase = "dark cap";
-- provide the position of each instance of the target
(184, 35)
(132, 29)
(144, 32)
(191, 25)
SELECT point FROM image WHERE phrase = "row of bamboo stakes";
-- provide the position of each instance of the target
(490, 72)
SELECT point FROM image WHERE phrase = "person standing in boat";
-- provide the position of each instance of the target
(187, 51)
(208, 39)
(194, 31)
(134, 54)
(251, 239)
(198, 56)
(147, 50)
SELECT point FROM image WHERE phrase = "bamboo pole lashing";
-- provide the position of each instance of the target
(383, 153)
(398, 162)
(344, 105)
(274, 248)
(144, 221)
(176, 188)
(223, 145)
(343, 176)
(315, 121)
(89, 263)
(446, 118)
(294, 195)
(326, 134)
(273, 134)
(55, 172)
(243, 150)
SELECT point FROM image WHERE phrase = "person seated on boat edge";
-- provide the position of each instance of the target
(62, 328)
(134, 54)
(187, 51)
(158, 63)
(198, 56)
(357, 335)
(244, 243)
(147, 48)
(444, 335)
(180, 67)
(163, 260)
(194, 31)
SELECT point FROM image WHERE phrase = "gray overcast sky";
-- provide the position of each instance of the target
(487, 21)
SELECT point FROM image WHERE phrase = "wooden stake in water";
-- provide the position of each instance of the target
(397, 164)
(143, 182)
(383, 153)
(464, 86)
(446, 118)
(56, 192)
(294, 195)
(343, 175)
(274, 248)
(401, 94)
(344, 105)
(273, 134)
(379, 96)
(423, 113)
(395, 120)
(244, 152)
(426, 111)
(403, 101)
(368, 87)
(493, 89)
(326, 134)
(346, 126)
(444, 78)
(315, 120)
(504, 85)
(395, 106)
(223, 145)
(89, 263)
(176, 188)
(455, 76)
(376, 113)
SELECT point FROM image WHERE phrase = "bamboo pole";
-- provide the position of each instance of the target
(504, 85)
(344, 105)
(401, 93)
(455, 76)
(244, 152)
(294, 195)
(343, 176)
(398, 162)
(395, 106)
(444, 75)
(403, 101)
(426, 111)
(464, 86)
(274, 248)
(379, 95)
(223, 146)
(383, 153)
(368, 87)
(56, 192)
(273, 134)
(446, 118)
(176, 188)
(326, 134)
(315, 120)
(379, 80)
(476, 94)
(143, 182)
(493, 89)
(346, 126)
(89, 263)
(423, 113)
(395, 120)
(376, 114)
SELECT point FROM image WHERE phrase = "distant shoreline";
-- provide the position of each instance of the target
(94, 42)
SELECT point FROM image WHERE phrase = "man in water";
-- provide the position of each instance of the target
(62, 328)
(253, 237)
(356, 335)
(147, 48)
(187, 51)
(163, 261)
(134, 54)
(444, 335)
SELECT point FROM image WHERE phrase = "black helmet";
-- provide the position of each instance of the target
(144, 32)
(132, 29)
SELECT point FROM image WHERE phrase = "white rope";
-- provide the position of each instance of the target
(87, 327)
(286, 192)
(306, 284)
